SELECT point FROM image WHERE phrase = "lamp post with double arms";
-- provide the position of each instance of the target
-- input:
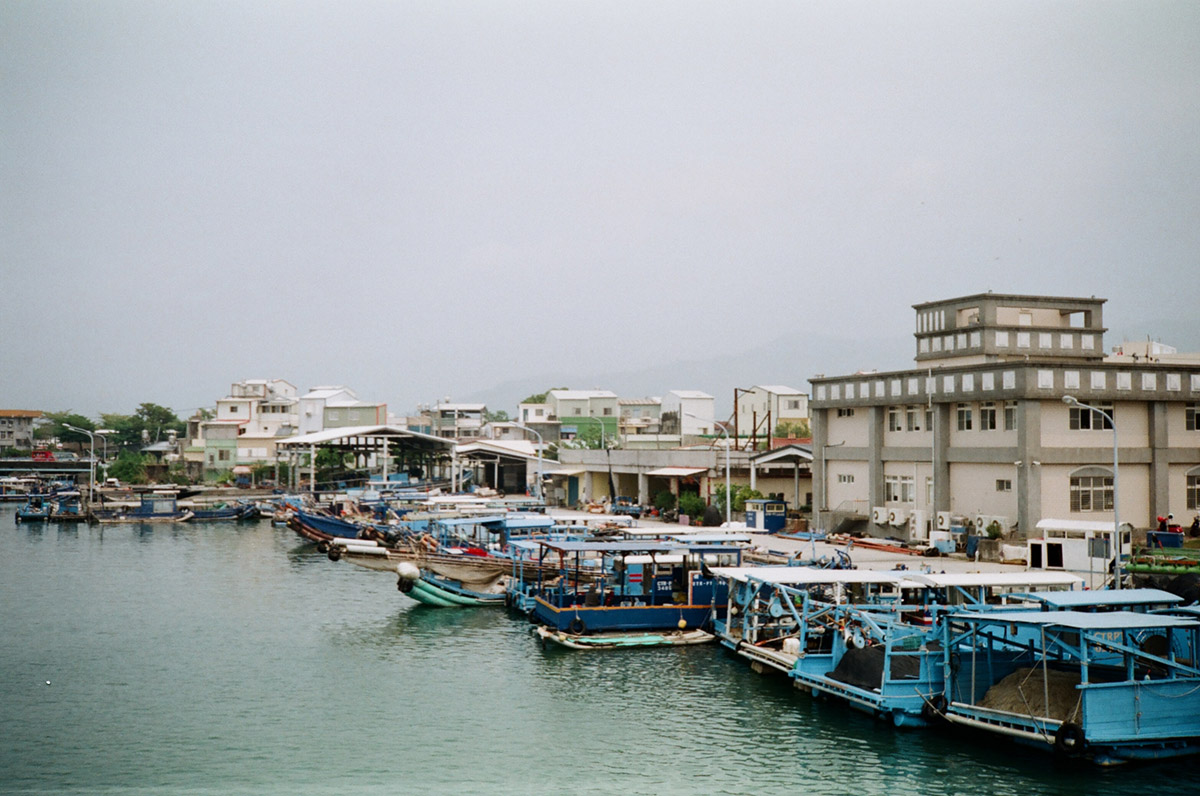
(728, 496)
(91, 460)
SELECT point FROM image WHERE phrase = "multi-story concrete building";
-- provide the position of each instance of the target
(570, 407)
(16, 428)
(688, 413)
(260, 412)
(330, 407)
(638, 416)
(763, 409)
(979, 428)
(458, 421)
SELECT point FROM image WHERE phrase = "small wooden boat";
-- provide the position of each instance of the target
(617, 640)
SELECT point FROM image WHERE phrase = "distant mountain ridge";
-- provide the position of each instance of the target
(786, 360)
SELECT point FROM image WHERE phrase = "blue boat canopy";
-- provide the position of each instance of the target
(1102, 597)
(1108, 620)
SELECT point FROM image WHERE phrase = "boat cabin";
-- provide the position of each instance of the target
(1084, 547)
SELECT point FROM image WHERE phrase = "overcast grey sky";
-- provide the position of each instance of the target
(424, 199)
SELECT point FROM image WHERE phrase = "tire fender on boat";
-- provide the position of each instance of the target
(934, 708)
(1069, 739)
(405, 585)
(335, 552)
(577, 627)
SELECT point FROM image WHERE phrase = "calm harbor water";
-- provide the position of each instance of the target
(216, 658)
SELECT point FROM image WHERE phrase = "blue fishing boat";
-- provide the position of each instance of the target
(67, 507)
(153, 507)
(613, 590)
(226, 512)
(35, 509)
(868, 638)
(1112, 686)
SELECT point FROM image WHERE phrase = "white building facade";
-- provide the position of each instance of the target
(979, 432)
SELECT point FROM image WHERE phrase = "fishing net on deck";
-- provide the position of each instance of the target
(863, 668)
(1025, 691)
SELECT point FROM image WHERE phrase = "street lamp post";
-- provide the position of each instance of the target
(541, 443)
(104, 432)
(728, 496)
(1071, 400)
(600, 421)
(91, 461)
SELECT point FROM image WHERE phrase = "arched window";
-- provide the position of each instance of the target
(1092, 489)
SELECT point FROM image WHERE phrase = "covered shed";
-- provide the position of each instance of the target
(375, 447)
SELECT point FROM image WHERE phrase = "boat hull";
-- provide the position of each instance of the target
(611, 641)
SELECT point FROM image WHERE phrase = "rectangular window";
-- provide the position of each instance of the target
(895, 388)
(1066, 341)
(843, 478)
(1003, 485)
(1193, 492)
(1071, 380)
(947, 384)
(988, 381)
(1045, 380)
(1191, 417)
(1174, 381)
(987, 416)
(913, 418)
(845, 412)
(1045, 340)
(964, 417)
(1001, 339)
(1149, 381)
(1087, 419)
(1009, 379)
(898, 489)
(791, 404)
(608, 413)
(893, 414)
(1022, 339)
(1124, 381)
(968, 382)
(1091, 493)
(579, 410)
(1010, 415)
(1099, 380)
(1087, 342)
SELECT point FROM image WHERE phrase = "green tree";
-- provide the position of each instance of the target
(795, 429)
(130, 467)
(664, 501)
(157, 420)
(741, 493)
(499, 416)
(691, 504)
(54, 425)
(540, 397)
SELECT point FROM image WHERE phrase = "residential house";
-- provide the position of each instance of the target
(571, 408)
(762, 410)
(16, 428)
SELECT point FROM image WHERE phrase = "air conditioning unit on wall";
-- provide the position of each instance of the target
(879, 515)
(898, 517)
(918, 525)
(943, 520)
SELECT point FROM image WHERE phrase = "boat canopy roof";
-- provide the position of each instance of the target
(1033, 579)
(784, 575)
(631, 547)
(1081, 599)
(1077, 620)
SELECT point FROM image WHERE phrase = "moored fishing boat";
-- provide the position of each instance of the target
(619, 640)
(1112, 687)
(868, 638)
(67, 507)
(35, 509)
(154, 507)
(643, 589)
